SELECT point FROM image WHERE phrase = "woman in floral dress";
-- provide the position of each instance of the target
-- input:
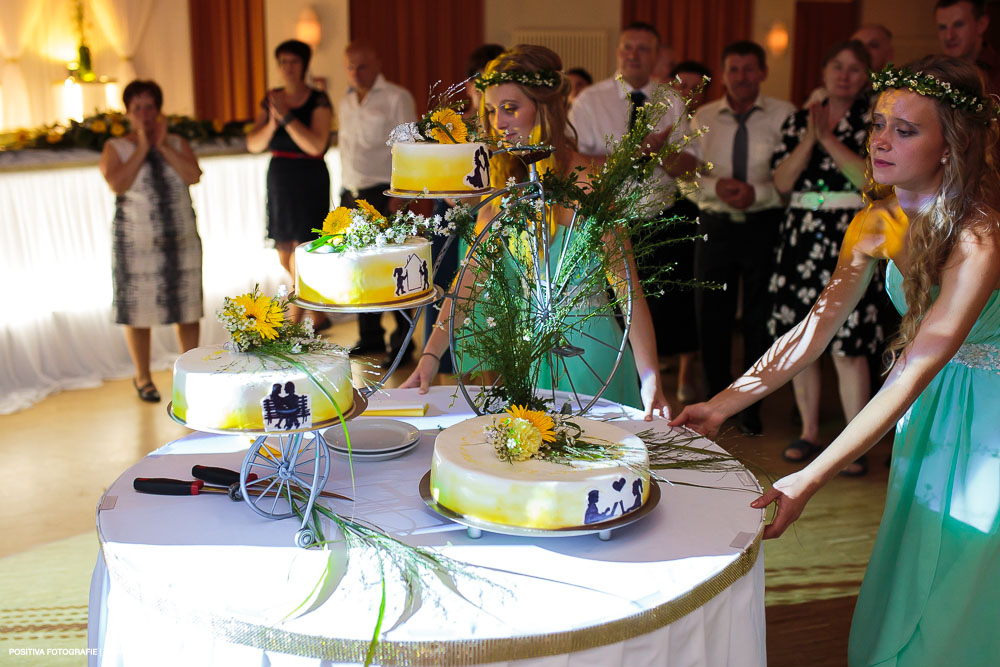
(820, 164)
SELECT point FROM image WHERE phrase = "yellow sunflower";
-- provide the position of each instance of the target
(537, 418)
(264, 313)
(117, 129)
(370, 210)
(337, 221)
(452, 121)
(99, 126)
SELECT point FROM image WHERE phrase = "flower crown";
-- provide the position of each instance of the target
(927, 85)
(546, 77)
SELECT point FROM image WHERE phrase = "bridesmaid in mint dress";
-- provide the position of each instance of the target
(532, 114)
(932, 587)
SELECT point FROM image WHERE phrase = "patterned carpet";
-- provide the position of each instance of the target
(43, 603)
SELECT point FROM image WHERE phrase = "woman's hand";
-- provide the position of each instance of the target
(791, 494)
(819, 122)
(701, 417)
(421, 377)
(159, 131)
(653, 399)
(279, 107)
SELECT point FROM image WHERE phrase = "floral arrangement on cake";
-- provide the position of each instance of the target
(362, 227)
(260, 324)
(443, 124)
(520, 434)
(520, 307)
(94, 130)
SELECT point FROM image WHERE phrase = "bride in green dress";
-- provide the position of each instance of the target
(536, 113)
(930, 594)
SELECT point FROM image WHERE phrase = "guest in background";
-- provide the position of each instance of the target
(691, 78)
(739, 211)
(877, 40)
(680, 337)
(820, 163)
(294, 124)
(156, 256)
(579, 79)
(961, 26)
(369, 111)
(605, 109)
(474, 64)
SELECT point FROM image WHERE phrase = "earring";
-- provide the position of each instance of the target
(944, 160)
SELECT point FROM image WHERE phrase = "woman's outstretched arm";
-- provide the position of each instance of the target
(802, 345)
(971, 274)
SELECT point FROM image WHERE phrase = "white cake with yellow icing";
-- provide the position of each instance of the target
(215, 389)
(468, 478)
(429, 168)
(372, 276)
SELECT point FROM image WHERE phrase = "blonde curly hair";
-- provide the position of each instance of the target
(552, 124)
(969, 197)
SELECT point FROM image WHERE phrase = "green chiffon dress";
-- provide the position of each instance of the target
(932, 590)
(599, 337)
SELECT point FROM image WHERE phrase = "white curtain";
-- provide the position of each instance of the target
(19, 18)
(56, 328)
(123, 23)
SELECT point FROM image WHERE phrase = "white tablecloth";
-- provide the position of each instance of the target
(203, 580)
(56, 329)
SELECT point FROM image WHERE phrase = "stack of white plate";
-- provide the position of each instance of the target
(373, 439)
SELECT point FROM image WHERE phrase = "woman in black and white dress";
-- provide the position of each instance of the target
(156, 255)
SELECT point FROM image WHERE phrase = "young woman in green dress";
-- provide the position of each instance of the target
(930, 594)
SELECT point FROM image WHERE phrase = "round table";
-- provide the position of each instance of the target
(204, 580)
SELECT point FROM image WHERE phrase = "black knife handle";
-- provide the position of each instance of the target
(219, 476)
(162, 486)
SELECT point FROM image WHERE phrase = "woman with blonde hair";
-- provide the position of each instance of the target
(929, 595)
(525, 101)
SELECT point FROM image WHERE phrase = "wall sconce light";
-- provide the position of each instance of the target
(307, 28)
(777, 39)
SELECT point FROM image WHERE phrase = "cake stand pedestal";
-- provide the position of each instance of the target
(283, 478)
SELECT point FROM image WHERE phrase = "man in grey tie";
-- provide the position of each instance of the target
(739, 211)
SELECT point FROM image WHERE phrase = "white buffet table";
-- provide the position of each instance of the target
(56, 330)
(203, 580)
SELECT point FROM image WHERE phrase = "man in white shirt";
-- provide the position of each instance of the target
(739, 211)
(368, 112)
(604, 110)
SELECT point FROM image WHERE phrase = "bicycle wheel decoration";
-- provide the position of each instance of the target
(545, 295)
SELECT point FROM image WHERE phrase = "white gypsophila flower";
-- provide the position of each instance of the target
(491, 322)
(404, 133)
(282, 291)
(526, 337)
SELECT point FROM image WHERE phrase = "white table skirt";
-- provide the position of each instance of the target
(56, 331)
(203, 580)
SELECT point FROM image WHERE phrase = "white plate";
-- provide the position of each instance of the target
(384, 456)
(372, 436)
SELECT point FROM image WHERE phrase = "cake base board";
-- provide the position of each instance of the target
(438, 194)
(602, 529)
(433, 296)
(360, 405)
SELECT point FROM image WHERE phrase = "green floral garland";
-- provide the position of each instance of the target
(927, 85)
(545, 78)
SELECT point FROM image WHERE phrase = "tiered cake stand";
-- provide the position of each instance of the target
(283, 478)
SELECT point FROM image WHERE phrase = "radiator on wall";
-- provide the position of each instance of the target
(577, 48)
